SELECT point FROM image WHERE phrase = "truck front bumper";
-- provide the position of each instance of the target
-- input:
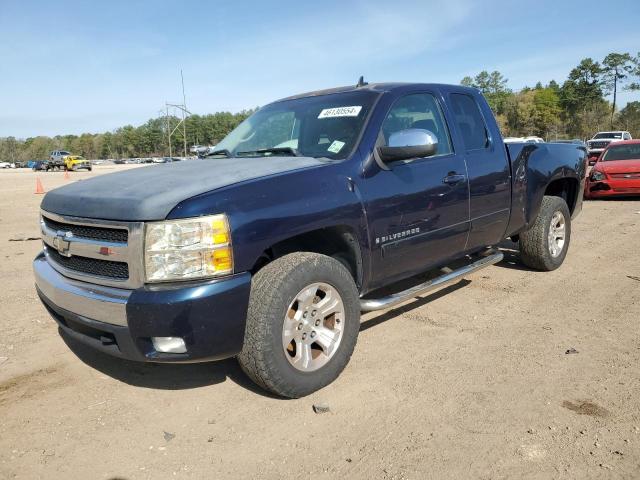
(209, 316)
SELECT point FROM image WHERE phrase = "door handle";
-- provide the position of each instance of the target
(454, 179)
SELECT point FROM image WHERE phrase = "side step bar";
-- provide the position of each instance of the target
(373, 304)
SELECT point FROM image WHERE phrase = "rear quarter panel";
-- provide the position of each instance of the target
(534, 167)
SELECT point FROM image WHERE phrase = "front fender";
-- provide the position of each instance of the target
(269, 210)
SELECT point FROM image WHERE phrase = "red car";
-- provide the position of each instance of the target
(617, 171)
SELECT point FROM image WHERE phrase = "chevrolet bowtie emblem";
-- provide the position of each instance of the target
(61, 242)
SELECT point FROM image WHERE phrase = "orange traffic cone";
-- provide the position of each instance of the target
(39, 187)
(66, 174)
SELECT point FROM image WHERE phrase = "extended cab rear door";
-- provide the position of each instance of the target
(488, 167)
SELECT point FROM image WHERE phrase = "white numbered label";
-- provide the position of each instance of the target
(340, 112)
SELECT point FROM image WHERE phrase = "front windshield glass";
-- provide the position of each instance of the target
(622, 152)
(322, 126)
(609, 135)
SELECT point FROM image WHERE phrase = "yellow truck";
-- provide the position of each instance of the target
(76, 162)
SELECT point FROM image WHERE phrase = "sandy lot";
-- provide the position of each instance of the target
(469, 382)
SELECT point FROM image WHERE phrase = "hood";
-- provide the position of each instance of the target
(619, 166)
(150, 193)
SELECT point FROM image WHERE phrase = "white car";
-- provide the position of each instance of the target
(5, 165)
(601, 140)
(530, 139)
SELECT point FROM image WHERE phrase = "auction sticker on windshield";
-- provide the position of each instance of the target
(340, 112)
(336, 146)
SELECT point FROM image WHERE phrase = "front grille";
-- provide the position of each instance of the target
(91, 266)
(115, 235)
(598, 144)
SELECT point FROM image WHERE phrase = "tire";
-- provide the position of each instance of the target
(277, 292)
(537, 249)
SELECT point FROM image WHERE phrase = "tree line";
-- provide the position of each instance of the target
(577, 108)
(146, 140)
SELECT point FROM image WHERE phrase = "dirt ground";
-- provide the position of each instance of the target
(470, 382)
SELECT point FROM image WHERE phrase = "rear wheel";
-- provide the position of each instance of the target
(544, 246)
(302, 324)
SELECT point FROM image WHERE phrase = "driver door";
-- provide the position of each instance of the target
(418, 209)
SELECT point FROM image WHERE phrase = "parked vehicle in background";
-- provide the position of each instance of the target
(76, 162)
(58, 155)
(601, 140)
(523, 140)
(47, 166)
(166, 159)
(270, 253)
(5, 165)
(573, 141)
(617, 171)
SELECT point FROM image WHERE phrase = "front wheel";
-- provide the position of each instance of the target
(544, 246)
(302, 324)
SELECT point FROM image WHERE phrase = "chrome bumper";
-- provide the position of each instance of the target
(95, 302)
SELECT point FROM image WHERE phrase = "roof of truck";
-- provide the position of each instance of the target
(372, 87)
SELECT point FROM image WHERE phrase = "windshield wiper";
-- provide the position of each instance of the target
(222, 151)
(274, 150)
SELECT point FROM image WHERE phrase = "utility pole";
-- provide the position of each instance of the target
(185, 113)
(169, 132)
(184, 124)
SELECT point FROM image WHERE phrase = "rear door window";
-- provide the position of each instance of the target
(469, 121)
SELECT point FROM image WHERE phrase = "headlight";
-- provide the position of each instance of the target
(597, 176)
(188, 249)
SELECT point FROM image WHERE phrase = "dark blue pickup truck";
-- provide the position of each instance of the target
(271, 247)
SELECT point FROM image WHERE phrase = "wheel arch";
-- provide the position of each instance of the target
(339, 241)
(566, 188)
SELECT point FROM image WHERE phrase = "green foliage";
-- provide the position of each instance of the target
(493, 86)
(616, 69)
(629, 117)
(576, 109)
(147, 140)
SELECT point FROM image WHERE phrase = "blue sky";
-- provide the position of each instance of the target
(73, 67)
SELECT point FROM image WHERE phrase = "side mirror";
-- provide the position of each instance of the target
(409, 143)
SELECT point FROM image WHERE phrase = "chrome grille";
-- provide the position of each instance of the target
(93, 233)
(97, 251)
(91, 266)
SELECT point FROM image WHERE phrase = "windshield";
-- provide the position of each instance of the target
(622, 152)
(608, 135)
(323, 126)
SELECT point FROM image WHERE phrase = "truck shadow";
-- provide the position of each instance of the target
(511, 258)
(416, 303)
(162, 376)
